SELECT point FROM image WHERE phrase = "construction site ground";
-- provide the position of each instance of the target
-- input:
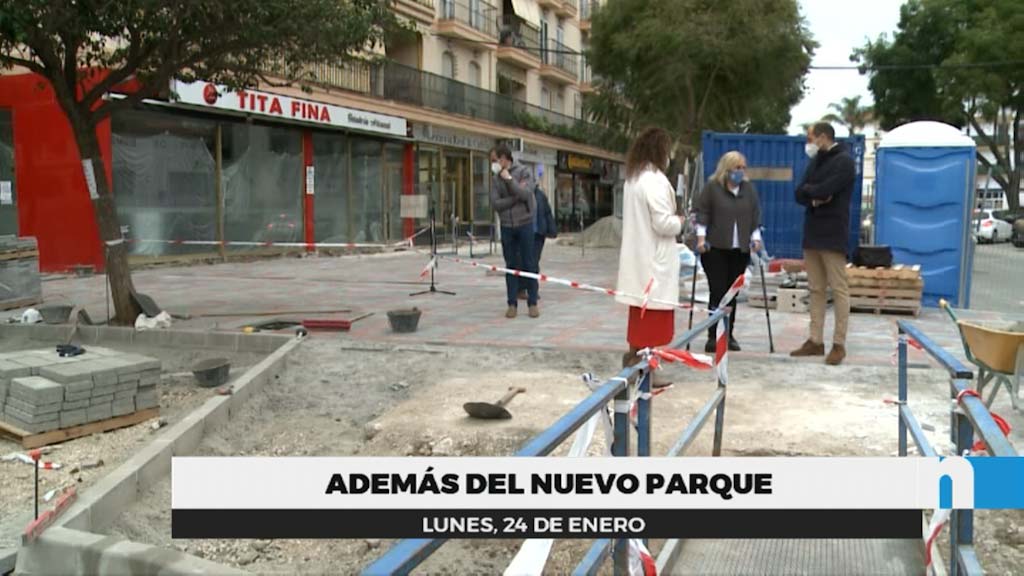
(373, 392)
(178, 396)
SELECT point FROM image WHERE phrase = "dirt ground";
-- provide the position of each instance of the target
(178, 396)
(342, 397)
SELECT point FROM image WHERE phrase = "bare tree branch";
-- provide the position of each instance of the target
(989, 141)
(32, 65)
(999, 178)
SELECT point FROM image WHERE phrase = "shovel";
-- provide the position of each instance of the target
(496, 411)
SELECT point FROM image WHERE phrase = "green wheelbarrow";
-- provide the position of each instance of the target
(998, 354)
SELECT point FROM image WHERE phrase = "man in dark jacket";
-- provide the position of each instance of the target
(826, 192)
(512, 196)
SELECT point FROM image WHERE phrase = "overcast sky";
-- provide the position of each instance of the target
(839, 27)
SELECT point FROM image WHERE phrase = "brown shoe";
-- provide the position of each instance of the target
(534, 311)
(836, 356)
(809, 348)
(658, 382)
(511, 312)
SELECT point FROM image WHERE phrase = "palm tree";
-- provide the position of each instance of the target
(851, 114)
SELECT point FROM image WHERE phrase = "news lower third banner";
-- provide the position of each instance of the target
(580, 497)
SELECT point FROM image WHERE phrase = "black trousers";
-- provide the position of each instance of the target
(722, 267)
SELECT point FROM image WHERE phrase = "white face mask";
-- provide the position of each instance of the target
(811, 149)
(495, 168)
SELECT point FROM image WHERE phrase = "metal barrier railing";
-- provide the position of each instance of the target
(969, 416)
(410, 553)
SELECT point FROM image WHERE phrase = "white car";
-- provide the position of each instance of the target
(988, 228)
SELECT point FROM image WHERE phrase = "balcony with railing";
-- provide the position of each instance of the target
(560, 63)
(472, 20)
(587, 10)
(567, 9)
(519, 43)
(586, 76)
(423, 11)
(403, 84)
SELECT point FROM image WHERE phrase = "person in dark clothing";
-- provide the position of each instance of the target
(544, 227)
(512, 196)
(826, 191)
(728, 226)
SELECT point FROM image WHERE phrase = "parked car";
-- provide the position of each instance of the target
(988, 228)
(1018, 233)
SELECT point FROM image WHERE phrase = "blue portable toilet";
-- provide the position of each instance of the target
(776, 164)
(924, 191)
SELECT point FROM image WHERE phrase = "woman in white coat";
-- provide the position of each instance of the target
(649, 257)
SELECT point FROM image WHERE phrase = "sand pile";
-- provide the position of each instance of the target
(605, 233)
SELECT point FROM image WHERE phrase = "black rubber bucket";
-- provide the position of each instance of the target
(211, 372)
(404, 321)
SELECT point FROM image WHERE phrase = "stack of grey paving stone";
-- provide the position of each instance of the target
(40, 391)
(20, 283)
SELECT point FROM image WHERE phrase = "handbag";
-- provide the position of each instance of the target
(873, 256)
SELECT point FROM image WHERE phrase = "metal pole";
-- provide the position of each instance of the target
(693, 293)
(643, 415)
(767, 314)
(620, 447)
(961, 522)
(716, 449)
(902, 368)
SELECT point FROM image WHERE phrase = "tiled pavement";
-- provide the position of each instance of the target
(570, 319)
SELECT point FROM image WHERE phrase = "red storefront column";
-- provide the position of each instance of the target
(308, 184)
(409, 184)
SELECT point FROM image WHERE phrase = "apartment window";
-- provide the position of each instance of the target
(475, 75)
(448, 65)
(545, 98)
(577, 105)
(559, 102)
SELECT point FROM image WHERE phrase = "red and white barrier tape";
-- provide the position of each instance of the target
(48, 517)
(405, 242)
(1004, 426)
(894, 359)
(25, 458)
(554, 280)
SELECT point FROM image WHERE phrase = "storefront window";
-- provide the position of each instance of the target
(367, 200)
(393, 158)
(263, 179)
(164, 170)
(8, 207)
(428, 177)
(331, 199)
(482, 213)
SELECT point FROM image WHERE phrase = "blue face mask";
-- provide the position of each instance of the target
(736, 176)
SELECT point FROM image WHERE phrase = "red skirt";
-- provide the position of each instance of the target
(656, 328)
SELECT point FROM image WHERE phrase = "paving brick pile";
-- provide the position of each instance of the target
(40, 391)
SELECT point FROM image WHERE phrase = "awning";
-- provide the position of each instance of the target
(527, 10)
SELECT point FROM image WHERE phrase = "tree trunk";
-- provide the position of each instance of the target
(119, 273)
(1013, 190)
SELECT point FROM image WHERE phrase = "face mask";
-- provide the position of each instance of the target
(495, 168)
(811, 149)
(736, 176)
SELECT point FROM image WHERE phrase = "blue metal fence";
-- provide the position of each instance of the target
(969, 417)
(406, 555)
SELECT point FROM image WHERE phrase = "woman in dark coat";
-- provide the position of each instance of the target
(728, 227)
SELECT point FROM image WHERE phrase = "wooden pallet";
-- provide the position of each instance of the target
(18, 254)
(29, 440)
(758, 301)
(885, 283)
(897, 272)
(886, 293)
(885, 310)
(19, 303)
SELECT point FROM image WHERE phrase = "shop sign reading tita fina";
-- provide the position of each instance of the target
(207, 95)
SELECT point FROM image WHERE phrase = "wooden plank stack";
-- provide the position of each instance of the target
(20, 284)
(773, 282)
(896, 289)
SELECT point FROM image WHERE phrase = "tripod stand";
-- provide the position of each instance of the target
(433, 254)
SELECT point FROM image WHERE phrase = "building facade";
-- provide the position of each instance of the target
(272, 165)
